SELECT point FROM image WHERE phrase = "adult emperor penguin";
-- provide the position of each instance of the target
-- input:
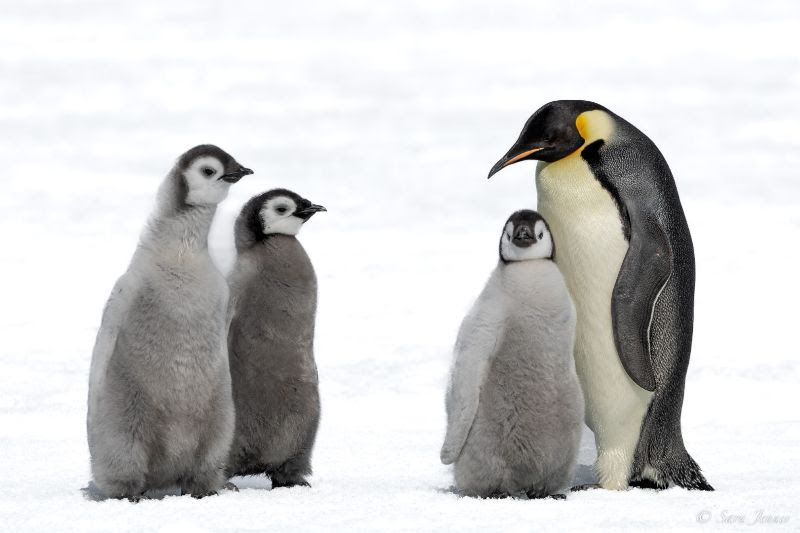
(271, 341)
(514, 403)
(160, 408)
(626, 253)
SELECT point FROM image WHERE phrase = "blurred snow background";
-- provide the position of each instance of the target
(391, 114)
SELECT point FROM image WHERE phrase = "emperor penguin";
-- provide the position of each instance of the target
(271, 341)
(160, 409)
(627, 256)
(514, 403)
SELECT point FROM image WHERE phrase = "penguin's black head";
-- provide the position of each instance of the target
(205, 172)
(221, 165)
(526, 236)
(276, 211)
(549, 135)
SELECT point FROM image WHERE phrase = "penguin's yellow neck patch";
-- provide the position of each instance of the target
(594, 125)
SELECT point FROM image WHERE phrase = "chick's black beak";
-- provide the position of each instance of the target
(308, 212)
(523, 236)
(514, 155)
(236, 175)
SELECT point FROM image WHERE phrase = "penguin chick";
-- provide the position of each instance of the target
(160, 409)
(271, 341)
(514, 404)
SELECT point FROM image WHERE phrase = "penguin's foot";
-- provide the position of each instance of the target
(289, 483)
(230, 486)
(131, 496)
(292, 473)
(645, 483)
(497, 495)
(200, 495)
(585, 486)
(534, 494)
(197, 492)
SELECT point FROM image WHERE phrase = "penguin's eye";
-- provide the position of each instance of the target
(541, 234)
(208, 171)
(281, 209)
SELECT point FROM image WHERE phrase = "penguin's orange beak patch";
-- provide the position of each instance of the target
(523, 155)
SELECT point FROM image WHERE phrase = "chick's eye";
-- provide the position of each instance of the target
(541, 235)
(208, 171)
(281, 209)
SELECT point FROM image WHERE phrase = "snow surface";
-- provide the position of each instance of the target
(391, 115)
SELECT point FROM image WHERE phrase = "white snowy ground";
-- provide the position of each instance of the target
(391, 115)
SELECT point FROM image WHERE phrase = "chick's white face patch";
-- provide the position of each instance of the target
(509, 231)
(277, 216)
(541, 249)
(202, 179)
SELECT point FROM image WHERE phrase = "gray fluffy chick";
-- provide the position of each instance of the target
(160, 410)
(514, 403)
(271, 341)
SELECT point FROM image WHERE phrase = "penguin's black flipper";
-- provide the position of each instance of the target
(645, 270)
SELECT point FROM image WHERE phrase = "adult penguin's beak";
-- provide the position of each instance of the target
(513, 156)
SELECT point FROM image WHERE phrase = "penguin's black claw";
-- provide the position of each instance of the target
(536, 495)
(134, 498)
(702, 485)
(585, 486)
(290, 484)
(694, 484)
(647, 484)
(199, 495)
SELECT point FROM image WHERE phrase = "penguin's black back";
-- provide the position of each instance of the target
(653, 298)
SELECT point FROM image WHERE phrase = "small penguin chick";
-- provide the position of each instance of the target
(275, 211)
(160, 407)
(271, 341)
(526, 236)
(514, 403)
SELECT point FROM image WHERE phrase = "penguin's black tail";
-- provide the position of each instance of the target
(686, 473)
(661, 458)
(668, 464)
(661, 455)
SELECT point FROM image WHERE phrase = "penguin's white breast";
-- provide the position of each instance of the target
(586, 226)
(590, 248)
